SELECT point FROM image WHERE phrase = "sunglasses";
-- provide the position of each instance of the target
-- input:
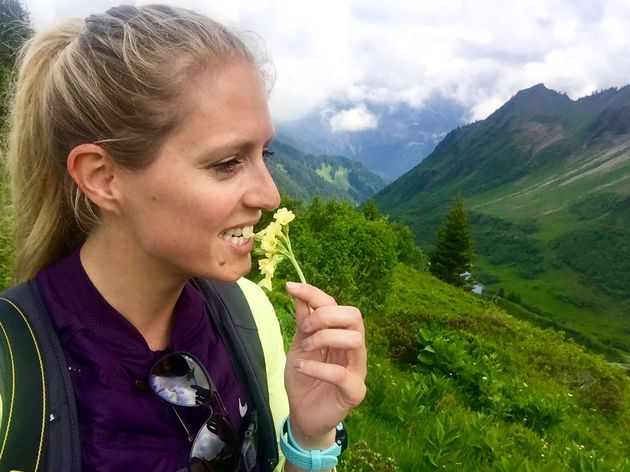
(179, 379)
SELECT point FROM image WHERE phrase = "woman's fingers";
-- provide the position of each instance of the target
(322, 326)
(351, 385)
(333, 338)
(307, 297)
(347, 317)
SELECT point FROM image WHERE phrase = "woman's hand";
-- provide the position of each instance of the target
(326, 365)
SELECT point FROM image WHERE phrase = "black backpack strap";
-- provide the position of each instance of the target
(232, 315)
(42, 432)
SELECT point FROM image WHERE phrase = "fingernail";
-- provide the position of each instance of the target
(306, 325)
(291, 285)
(299, 364)
(306, 343)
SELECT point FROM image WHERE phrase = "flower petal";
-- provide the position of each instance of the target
(265, 283)
(283, 216)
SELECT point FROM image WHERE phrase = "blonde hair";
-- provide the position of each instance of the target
(111, 79)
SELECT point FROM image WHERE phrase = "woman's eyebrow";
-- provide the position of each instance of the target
(219, 151)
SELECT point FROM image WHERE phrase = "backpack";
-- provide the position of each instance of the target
(39, 427)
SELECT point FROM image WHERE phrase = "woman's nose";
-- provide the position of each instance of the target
(263, 193)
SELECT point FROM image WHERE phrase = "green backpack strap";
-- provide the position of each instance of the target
(232, 316)
(23, 392)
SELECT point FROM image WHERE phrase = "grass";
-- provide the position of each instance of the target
(558, 295)
(562, 294)
(485, 391)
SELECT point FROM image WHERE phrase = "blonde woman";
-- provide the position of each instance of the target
(137, 154)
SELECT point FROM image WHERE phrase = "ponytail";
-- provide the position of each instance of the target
(44, 224)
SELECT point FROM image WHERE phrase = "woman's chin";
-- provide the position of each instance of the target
(226, 271)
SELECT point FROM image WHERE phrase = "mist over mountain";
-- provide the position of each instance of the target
(388, 139)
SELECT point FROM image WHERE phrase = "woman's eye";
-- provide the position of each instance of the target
(227, 167)
(267, 153)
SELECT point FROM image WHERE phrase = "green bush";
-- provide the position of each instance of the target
(601, 254)
(396, 327)
(360, 458)
(346, 253)
(595, 206)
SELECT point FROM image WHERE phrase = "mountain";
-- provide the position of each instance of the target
(304, 175)
(394, 138)
(546, 180)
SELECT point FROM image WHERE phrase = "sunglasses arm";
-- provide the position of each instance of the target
(190, 436)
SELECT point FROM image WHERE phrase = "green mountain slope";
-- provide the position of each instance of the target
(302, 175)
(457, 384)
(547, 184)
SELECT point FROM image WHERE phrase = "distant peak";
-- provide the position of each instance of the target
(538, 94)
(538, 89)
(539, 86)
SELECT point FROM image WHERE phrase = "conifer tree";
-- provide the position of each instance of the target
(451, 259)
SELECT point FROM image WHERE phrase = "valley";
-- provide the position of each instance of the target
(546, 182)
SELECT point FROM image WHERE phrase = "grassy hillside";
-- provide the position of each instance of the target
(454, 381)
(547, 186)
(565, 247)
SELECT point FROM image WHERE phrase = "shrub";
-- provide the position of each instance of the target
(360, 458)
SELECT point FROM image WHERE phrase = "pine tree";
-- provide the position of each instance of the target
(451, 259)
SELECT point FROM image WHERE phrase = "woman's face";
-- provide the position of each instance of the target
(185, 211)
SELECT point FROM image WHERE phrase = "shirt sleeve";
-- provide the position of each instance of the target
(273, 349)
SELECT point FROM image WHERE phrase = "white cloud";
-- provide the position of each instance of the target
(477, 52)
(358, 118)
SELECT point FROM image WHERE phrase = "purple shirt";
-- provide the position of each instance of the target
(124, 426)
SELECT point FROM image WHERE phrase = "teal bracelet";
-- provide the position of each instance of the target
(314, 459)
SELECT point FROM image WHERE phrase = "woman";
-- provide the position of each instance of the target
(137, 152)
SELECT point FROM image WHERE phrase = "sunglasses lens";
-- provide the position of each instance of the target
(180, 380)
(215, 447)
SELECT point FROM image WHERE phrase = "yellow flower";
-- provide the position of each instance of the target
(274, 243)
(273, 230)
(266, 283)
(269, 244)
(268, 265)
(284, 216)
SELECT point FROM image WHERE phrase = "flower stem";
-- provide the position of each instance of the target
(290, 255)
(297, 269)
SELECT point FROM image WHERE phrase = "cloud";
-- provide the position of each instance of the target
(354, 119)
(477, 52)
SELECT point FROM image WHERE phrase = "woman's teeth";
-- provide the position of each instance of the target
(238, 236)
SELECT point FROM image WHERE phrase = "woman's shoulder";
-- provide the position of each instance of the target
(262, 309)
(255, 295)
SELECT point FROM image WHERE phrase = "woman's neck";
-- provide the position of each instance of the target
(139, 289)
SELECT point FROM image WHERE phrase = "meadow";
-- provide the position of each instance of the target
(455, 382)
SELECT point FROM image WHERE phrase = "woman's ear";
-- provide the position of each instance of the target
(93, 171)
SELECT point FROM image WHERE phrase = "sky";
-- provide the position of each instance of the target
(478, 53)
